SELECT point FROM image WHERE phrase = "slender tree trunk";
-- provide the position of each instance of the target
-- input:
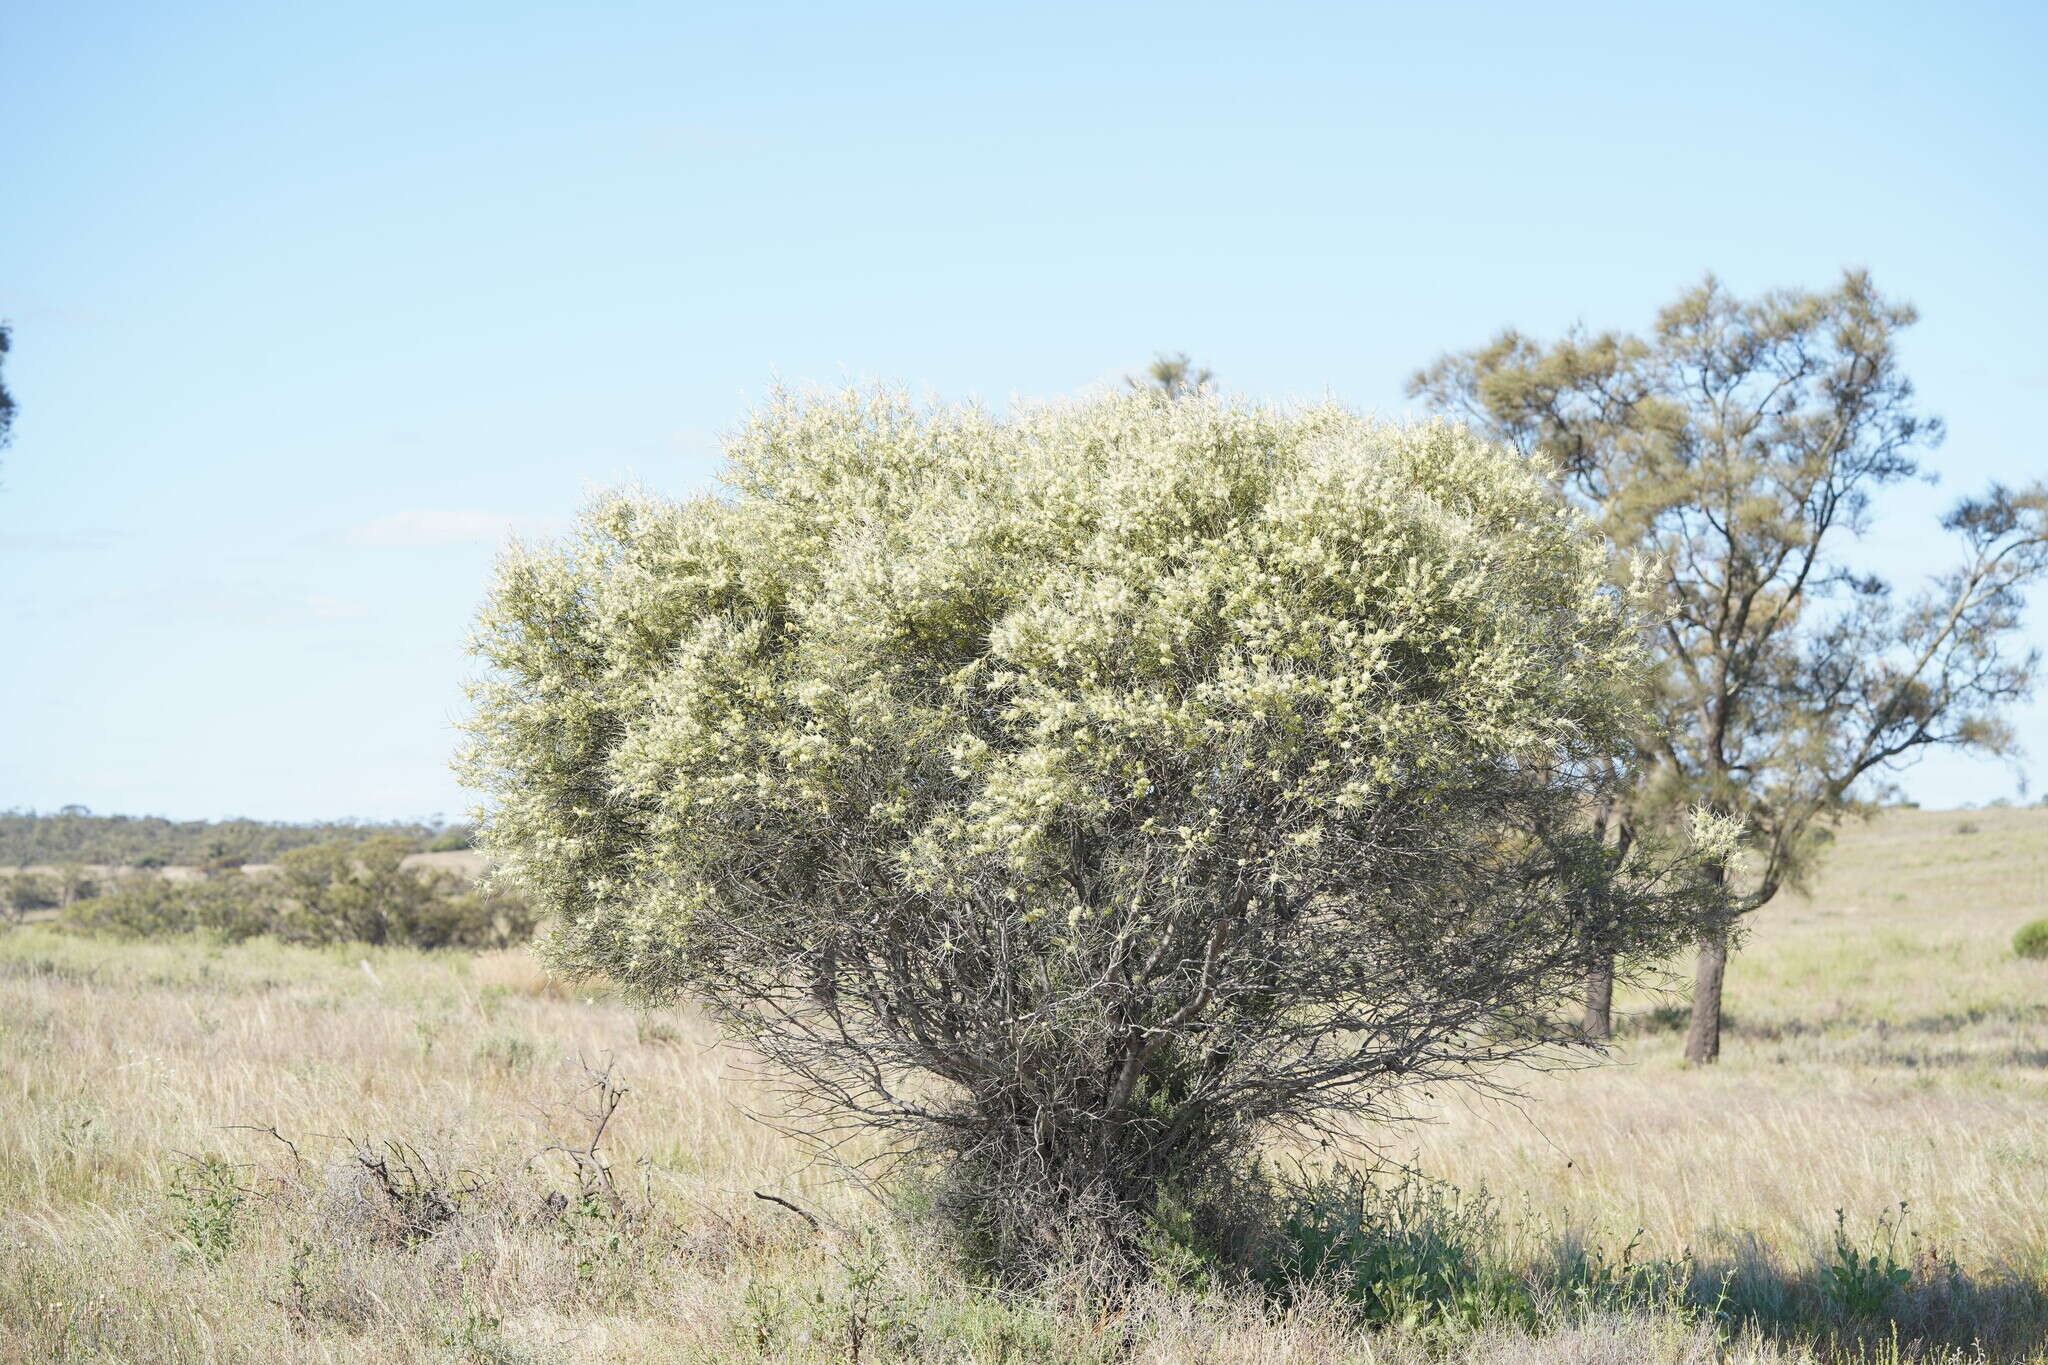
(1599, 1022)
(1703, 1039)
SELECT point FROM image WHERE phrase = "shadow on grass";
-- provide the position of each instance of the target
(1415, 1253)
(1670, 1019)
(1870, 1297)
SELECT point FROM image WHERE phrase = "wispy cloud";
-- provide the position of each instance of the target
(425, 528)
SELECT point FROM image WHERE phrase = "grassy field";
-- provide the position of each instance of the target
(1885, 1049)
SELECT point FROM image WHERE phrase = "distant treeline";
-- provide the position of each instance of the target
(75, 835)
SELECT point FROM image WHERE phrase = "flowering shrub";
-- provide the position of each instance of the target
(1081, 793)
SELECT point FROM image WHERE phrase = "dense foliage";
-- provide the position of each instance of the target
(1081, 794)
(73, 835)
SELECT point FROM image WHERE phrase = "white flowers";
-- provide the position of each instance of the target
(951, 638)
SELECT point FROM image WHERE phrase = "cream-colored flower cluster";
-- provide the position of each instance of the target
(915, 655)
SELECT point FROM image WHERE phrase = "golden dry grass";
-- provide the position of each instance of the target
(1886, 1046)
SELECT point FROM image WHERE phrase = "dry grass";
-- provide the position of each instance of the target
(1886, 1047)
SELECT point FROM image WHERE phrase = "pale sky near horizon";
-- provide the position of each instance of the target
(313, 304)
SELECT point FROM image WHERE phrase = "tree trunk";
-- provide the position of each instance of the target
(1703, 1039)
(1599, 1022)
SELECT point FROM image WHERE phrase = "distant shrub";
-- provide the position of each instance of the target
(454, 839)
(53, 888)
(145, 907)
(233, 907)
(474, 918)
(360, 893)
(24, 892)
(364, 893)
(328, 893)
(2032, 939)
(219, 857)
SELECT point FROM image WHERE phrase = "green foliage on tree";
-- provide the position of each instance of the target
(360, 892)
(1739, 444)
(454, 839)
(24, 893)
(1080, 796)
(1172, 376)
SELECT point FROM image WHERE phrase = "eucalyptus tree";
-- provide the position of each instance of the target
(1739, 445)
(1078, 797)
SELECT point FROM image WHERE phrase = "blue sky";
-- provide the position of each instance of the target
(313, 303)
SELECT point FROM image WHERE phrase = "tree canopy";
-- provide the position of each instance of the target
(1172, 375)
(1739, 445)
